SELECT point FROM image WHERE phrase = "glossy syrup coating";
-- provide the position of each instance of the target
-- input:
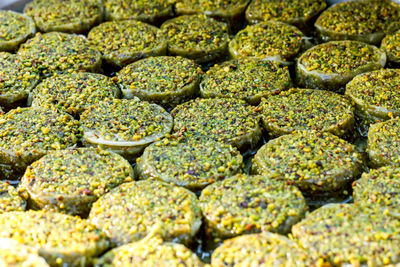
(124, 126)
(15, 28)
(347, 234)
(150, 252)
(56, 52)
(134, 210)
(248, 79)
(69, 181)
(318, 163)
(123, 42)
(376, 95)
(71, 16)
(296, 12)
(189, 163)
(225, 120)
(245, 204)
(27, 134)
(61, 239)
(380, 188)
(361, 20)
(10, 199)
(329, 66)
(150, 11)
(264, 249)
(307, 109)
(18, 78)
(271, 40)
(73, 93)
(165, 80)
(383, 143)
(196, 37)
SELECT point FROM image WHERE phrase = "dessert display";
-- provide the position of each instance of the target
(200, 133)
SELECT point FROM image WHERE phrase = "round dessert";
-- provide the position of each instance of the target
(363, 20)
(229, 11)
(225, 120)
(307, 109)
(299, 13)
(167, 81)
(15, 28)
(150, 11)
(56, 52)
(331, 65)
(18, 78)
(10, 199)
(123, 42)
(384, 143)
(12, 254)
(376, 95)
(349, 235)
(70, 180)
(133, 210)
(73, 92)
(246, 204)
(381, 188)
(63, 240)
(151, 252)
(265, 249)
(190, 163)
(247, 79)
(27, 134)
(271, 40)
(318, 163)
(124, 126)
(391, 46)
(70, 16)
(196, 37)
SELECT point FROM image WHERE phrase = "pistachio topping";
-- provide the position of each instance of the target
(268, 40)
(75, 92)
(71, 180)
(15, 28)
(17, 78)
(16, 255)
(192, 164)
(209, 6)
(60, 238)
(249, 204)
(264, 249)
(225, 120)
(164, 80)
(346, 234)
(123, 42)
(376, 94)
(363, 20)
(151, 252)
(9, 198)
(391, 46)
(315, 162)
(384, 143)
(133, 210)
(339, 57)
(73, 16)
(307, 109)
(150, 11)
(380, 188)
(27, 134)
(288, 11)
(126, 120)
(247, 79)
(196, 37)
(56, 52)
